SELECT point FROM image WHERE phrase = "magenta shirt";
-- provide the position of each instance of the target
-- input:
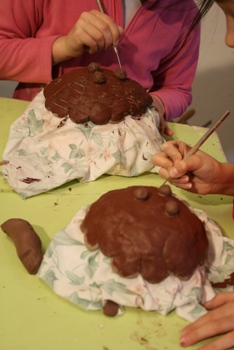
(150, 49)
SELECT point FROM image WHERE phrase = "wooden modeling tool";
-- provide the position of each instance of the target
(114, 47)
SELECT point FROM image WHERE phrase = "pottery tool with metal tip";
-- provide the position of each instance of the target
(114, 47)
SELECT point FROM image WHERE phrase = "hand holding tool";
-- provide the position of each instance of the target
(203, 139)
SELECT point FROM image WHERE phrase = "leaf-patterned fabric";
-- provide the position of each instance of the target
(86, 278)
(45, 151)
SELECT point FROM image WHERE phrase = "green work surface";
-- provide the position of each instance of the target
(32, 316)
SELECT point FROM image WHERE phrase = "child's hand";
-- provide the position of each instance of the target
(164, 129)
(199, 173)
(94, 31)
(218, 321)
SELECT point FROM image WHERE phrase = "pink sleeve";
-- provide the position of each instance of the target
(174, 78)
(23, 56)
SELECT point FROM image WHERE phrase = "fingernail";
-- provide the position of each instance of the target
(183, 341)
(173, 172)
(188, 186)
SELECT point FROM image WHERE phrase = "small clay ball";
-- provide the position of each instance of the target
(172, 207)
(110, 308)
(165, 190)
(93, 67)
(141, 193)
(99, 77)
(120, 73)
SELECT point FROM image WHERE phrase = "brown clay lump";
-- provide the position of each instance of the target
(146, 230)
(93, 67)
(99, 77)
(141, 193)
(27, 243)
(110, 308)
(120, 73)
(96, 94)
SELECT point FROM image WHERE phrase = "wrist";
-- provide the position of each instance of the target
(225, 183)
(59, 51)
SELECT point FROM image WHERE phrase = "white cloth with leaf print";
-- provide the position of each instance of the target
(45, 151)
(86, 278)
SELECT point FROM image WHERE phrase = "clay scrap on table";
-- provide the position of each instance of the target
(27, 243)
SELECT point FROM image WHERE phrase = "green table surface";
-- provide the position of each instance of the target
(32, 316)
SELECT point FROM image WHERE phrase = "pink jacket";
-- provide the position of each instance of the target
(152, 49)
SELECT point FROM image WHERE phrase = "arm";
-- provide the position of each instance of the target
(33, 37)
(174, 77)
(199, 173)
(220, 320)
(23, 57)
